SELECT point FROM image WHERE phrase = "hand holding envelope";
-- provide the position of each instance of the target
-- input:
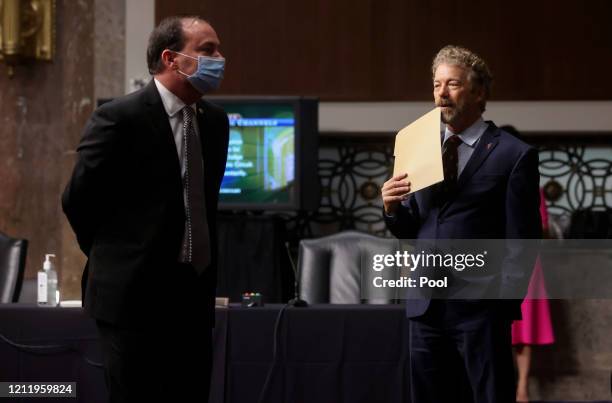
(418, 160)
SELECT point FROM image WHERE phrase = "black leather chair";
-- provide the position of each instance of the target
(12, 266)
(329, 269)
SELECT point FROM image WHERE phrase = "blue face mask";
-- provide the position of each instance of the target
(208, 75)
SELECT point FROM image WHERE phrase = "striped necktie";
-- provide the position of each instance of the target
(196, 241)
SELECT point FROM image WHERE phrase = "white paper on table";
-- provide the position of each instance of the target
(418, 152)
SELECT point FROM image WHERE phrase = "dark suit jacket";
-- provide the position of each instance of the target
(497, 197)
(125, 204)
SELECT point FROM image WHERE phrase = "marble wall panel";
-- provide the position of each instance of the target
(44, 107)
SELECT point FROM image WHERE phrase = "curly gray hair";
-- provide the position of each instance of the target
(479, 74)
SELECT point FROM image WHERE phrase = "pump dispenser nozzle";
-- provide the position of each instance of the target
(48, 264)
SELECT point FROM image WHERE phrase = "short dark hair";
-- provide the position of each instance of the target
(167, 35)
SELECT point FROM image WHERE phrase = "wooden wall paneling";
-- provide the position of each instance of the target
(375, 50)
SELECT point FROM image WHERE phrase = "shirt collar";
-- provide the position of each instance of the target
(172, 103)
(470, 135)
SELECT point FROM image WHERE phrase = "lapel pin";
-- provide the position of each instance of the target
(489, 145)
(200, 110)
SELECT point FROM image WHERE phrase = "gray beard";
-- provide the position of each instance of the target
(449, 117)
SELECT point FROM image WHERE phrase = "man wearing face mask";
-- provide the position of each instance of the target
(142, 201)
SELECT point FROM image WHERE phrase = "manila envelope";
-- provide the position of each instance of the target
(418, 152)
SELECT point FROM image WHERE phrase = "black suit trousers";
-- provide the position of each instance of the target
(165, 360)
(461, 346)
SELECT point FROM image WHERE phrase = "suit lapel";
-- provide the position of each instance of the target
(487, 143)
(210, 150)
(161, 127)
(204, 129)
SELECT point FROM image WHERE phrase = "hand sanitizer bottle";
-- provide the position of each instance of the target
(47, 283)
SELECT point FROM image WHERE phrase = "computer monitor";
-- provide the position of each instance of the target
(272, 155)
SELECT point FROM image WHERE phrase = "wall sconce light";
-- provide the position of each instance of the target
(27, 31)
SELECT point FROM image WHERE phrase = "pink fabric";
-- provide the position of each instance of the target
(536, 326)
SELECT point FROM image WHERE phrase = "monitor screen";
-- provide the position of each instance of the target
(261, 154)
(272, 153)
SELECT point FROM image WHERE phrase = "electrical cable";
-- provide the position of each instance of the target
(275, 348)
(49, 349)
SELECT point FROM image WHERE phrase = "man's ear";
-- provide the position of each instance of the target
(168, 59)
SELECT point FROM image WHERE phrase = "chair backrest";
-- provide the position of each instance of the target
(12, 266)
(329, 268)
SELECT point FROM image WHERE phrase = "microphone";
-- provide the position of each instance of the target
(296, 301)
